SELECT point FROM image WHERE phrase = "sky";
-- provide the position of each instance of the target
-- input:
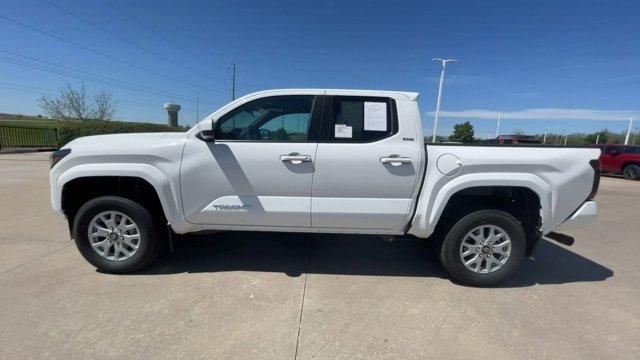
(571, 66)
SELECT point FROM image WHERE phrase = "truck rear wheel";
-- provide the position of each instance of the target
(116, 235)
(483, 248)
(631, 172)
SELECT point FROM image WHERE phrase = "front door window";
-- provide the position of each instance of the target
(275, 118)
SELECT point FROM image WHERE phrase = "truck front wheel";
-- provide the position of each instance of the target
(115, 234)
(483, 248)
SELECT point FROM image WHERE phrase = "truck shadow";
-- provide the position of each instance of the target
(295, 254)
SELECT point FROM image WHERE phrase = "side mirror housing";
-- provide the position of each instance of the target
(205, 132)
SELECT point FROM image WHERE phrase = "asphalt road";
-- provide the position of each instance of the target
(285, 296)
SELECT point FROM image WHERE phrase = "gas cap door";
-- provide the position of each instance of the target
(449, 164)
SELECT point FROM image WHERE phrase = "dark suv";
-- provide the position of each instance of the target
(517, 139)
(620, 159)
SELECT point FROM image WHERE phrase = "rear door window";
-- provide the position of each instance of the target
(359, 119)
(612, 149)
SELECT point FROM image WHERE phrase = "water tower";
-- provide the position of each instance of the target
(172, 112)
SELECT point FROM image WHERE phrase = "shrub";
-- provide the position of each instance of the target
(69, 130)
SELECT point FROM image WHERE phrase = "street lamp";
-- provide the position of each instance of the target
(443, 62)
(556, 139)
(498, 127)
(626, 139)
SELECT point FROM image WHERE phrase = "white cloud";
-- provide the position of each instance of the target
(544, 114)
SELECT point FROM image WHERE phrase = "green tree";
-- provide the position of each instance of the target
(591, 138)
(462, 133)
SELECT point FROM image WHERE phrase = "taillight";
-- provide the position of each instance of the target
(595, 164)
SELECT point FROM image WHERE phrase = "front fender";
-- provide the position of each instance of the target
(167, 192)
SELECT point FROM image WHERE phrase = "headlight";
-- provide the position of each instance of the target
(58, 155)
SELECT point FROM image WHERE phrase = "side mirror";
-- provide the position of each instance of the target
(205, 132)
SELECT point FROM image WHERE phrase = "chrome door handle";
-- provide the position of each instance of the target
(295, 159)
(395, 161)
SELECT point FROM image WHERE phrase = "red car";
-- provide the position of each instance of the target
(620, 159)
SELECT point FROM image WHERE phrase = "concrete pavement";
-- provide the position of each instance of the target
(285, 296)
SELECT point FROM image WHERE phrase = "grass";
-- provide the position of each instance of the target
(37, 123)
(18, 131)
(27, 120)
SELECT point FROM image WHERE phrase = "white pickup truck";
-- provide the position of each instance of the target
(321, 161)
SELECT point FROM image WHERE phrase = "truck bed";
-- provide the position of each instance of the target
(562, 177)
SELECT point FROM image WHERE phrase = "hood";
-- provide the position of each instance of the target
(115, 139)
(118, 146)
(160, 150)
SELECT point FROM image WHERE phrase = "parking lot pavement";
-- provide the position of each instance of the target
(284, 296)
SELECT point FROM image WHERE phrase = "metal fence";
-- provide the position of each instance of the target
(27, 137)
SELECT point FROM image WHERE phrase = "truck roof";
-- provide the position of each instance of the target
(404, 95)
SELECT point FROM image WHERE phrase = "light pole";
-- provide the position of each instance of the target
(626, 139)
(544, 139)
(556, 140)
(498, 127)
(443, 62)
(597, 138)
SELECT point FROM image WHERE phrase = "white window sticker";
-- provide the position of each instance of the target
(343, 131)
(375, 116)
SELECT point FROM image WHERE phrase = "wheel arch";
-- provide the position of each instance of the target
(629, 162)
(82, 182)
(432, 206)
(520, 202)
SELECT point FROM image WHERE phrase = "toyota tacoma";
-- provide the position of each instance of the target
(321, 161)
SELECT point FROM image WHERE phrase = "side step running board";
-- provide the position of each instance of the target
(561, 238)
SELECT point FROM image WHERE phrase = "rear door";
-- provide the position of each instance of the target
(366, 164)
(607, 159)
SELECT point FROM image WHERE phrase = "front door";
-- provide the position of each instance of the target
(258, 171)
(366, 166)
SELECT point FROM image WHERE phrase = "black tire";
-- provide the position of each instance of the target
(449, 249)
(631, 172)
(149, 244)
